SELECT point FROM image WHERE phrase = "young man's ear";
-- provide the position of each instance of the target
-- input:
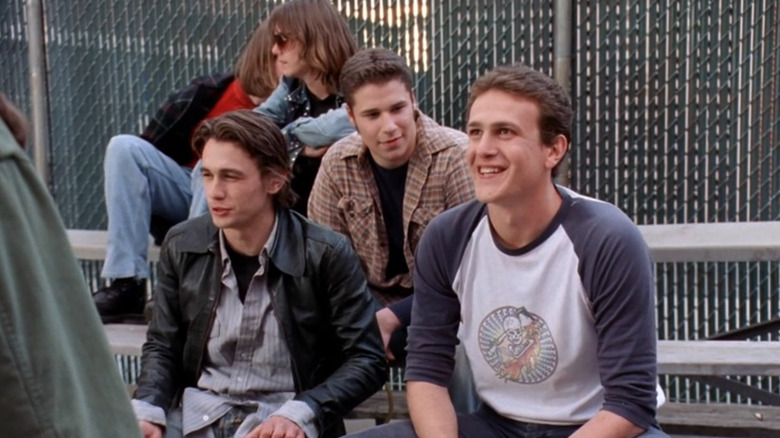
(557, 150)
(275, 181)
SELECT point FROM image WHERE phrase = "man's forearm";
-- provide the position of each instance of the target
(431, 410)
(608, 425)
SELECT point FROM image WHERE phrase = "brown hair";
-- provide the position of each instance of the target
(259, 137)
(14, 119)
(373, 66)
(323, 32)
(555, 109)
(256, 68)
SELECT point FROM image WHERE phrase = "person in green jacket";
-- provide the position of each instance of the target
(57, 376)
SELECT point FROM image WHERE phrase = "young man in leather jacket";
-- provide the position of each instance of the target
(263, 324)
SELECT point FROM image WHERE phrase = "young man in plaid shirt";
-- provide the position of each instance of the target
(383, 184)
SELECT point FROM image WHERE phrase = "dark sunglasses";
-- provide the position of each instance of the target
(281, 40)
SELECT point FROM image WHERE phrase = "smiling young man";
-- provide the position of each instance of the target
(382, 185)
(554, 290)
(263, 325)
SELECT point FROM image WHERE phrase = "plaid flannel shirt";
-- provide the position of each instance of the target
(345, 197)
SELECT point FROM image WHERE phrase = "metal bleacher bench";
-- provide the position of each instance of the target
(714, 242)
(91, 245)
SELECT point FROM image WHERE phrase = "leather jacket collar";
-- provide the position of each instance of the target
(287, 257)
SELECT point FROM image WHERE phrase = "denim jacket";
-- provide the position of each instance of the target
(289, 107)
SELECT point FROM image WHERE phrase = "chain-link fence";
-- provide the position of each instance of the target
(677, 104)
(14, 69)
(678, 120)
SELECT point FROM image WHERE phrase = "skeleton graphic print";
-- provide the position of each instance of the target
(518, 345)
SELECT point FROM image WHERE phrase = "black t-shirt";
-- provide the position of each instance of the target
(244, 267)
(392, 185)
(320, 107)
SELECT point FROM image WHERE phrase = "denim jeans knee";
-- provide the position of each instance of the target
(139, 181)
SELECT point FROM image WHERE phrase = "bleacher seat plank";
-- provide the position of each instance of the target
(719, 358)
(674, 357)
(720, 419)
(126, 339)
(91, 245)
(714, 242)
(704, 242)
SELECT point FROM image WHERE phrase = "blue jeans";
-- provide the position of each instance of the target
(225, 427)
(486, 423)
(141, 181)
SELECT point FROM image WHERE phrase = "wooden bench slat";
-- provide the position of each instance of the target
(703, 242)
(719, 358)
(713, 242)
(674, 357)
(720, 419)
(126, 339)
(91, 245)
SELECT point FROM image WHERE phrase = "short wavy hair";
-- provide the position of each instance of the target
(376, 66)
(555, 108)
(323, 32)
(259, 137)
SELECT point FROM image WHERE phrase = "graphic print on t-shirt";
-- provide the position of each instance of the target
(518, 345)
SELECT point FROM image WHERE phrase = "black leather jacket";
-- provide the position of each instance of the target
(320, 299)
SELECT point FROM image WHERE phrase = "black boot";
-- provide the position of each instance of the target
(122, 300)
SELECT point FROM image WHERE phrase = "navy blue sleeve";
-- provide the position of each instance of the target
(618, 275)
(432, 334)
(403, 310)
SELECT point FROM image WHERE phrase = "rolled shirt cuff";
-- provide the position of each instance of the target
(145, 411)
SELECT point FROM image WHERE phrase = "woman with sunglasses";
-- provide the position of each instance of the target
(311, 43)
